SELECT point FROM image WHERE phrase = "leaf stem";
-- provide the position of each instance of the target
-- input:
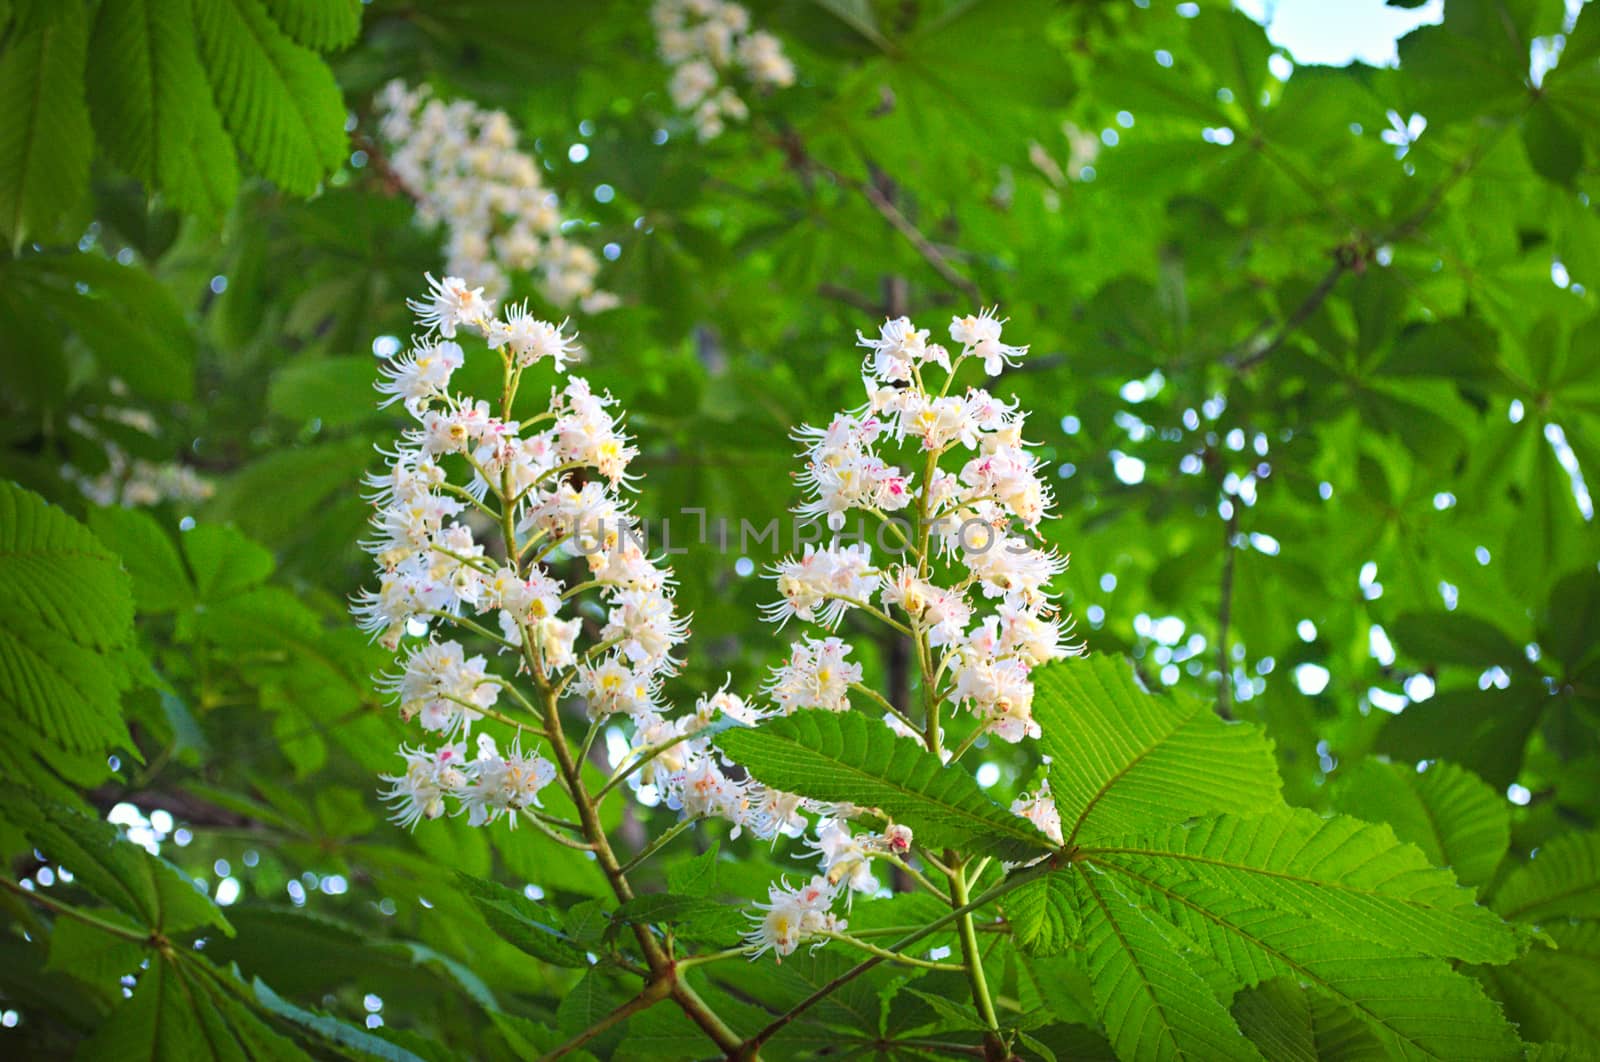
(973, 961)
(749, 1048)
(916, 875)
(56, 906)
(659, 843)
(892, 956)
(476, 628)
(715, 956)
(653, 993)
(883, 702)
(539, 824)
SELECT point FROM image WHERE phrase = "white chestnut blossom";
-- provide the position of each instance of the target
(822, 584)
(975, 528)
(443, 688)
(846, 859)
(454, 486)
(711, 48)
(792, 916)
(462, 165)
(967, 581)
(816, 675)
(1040, 809)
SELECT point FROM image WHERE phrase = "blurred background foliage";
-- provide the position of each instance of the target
(1315, 355)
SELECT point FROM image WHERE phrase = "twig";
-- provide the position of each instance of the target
(793, 147)
(850, 297)
(659, 843)
(1253, 351)
(930, 254)
(653, 993)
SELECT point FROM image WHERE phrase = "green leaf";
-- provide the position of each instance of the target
(160, 581)
(336, 391)
(326, 25)
(280, 101)
(847, 757)
(233, 1031)
(526, 923)
(697, 876)
(45, 139)
(140, 885)
(957, 1013)
(703, 918)
(332, 1030)
(1561, 881)
(1123, 760)
(183, 1008)
(1553, 147)
(64, 693)
(160, 1023)
(1550, 992)
(1042, 916)
(127, 317)
(1448, 812)
(1152, 1002)
(148, 95)
(275, 496)
(587, 922)
(1484, 730)
(1475, 63)
(1351, 876)
(57, 573)
(91, 954)
(1442, 1014)
(31, 354)
(1573, 611)
(204, 176)
(1454, 638)
(224, 561)
(1292, 1024)
(590, 1000)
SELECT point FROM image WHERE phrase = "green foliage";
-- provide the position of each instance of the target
(529, 925)
(1323, 426)
(155, 82)
(1564, 881)
(1124, 760)
(152, 107)
(1176, 918)
(1449, 813)
(317, 24)
(1288, 1023)
(177, 1013)
(66, 612)
(44, 129)
(279, 101)
(844, 756)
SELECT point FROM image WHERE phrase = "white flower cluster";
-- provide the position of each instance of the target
(1040, 809)
(707, 43)
(793, 916)
(461, 164)
(555, 479)
(974, 527)
(487, 787)
(133, 482)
